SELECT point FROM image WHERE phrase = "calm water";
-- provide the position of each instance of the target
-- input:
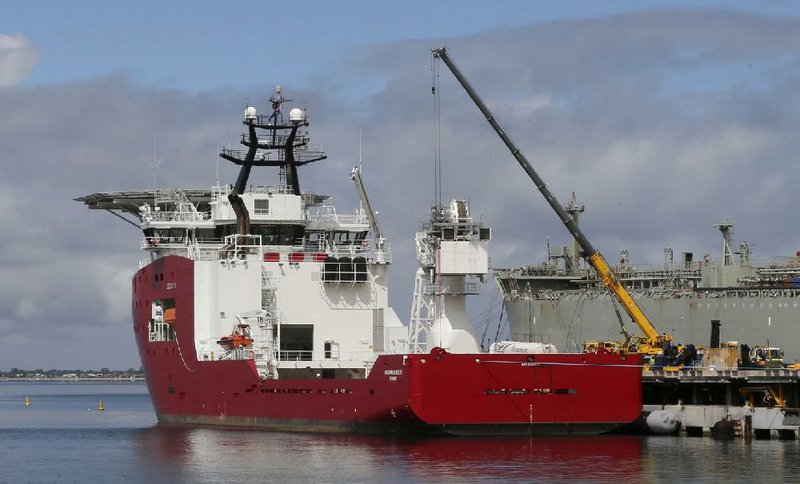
(62, 437)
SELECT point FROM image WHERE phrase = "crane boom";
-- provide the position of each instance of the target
(592, 256)
(355, 175)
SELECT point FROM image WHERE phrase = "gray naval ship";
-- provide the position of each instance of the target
(563, 302)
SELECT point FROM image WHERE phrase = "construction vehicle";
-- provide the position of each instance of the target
(766, 357)
(764, 395)
(652, 343)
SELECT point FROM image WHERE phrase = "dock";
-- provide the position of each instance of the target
(748, 402)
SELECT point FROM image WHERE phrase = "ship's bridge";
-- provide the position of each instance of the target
(175, 220)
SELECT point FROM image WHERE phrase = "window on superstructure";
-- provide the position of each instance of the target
(177, 235)
(315, 240)
(262, 207)
(348, 238)
(278, 234)
(297, 342)
(205, 235)
(290, 233)
(341, 238)
(221, 231)
(269, 233)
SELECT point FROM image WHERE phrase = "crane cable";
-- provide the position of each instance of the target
(437, 185)
(437, 150)
(500, 321)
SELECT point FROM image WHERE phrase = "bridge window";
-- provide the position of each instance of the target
(278, 234)
(223, 231)
(204, 234)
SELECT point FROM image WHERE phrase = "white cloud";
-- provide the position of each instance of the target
(18, 56)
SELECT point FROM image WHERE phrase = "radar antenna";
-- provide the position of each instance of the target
(283, 146)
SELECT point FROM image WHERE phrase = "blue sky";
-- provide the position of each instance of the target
(194, 45)
(663, 116)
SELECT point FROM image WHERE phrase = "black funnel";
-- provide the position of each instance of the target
(715, 324)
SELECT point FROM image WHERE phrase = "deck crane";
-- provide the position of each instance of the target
(355, 175)
(652, 342)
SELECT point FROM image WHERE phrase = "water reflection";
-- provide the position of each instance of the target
(537, 458)
(62, 438)
(213, 454)
(667, 457)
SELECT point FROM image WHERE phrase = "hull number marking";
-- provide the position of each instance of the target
(393, 374)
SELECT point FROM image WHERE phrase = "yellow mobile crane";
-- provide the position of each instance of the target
(652, 343)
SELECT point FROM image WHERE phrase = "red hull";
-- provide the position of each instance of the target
(439, 392)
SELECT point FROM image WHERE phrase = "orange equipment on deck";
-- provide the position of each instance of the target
(240, 338)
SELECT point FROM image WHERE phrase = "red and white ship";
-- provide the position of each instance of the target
(263, 307)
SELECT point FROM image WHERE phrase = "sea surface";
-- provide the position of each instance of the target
(62, 437)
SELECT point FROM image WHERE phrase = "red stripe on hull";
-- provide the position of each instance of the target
(462, 394)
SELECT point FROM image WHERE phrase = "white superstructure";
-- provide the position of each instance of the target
(452, 251)
(279, 276)
(307, 281)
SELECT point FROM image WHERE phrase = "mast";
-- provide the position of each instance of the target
(726, 229)
(282, 145)
(574, 209)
